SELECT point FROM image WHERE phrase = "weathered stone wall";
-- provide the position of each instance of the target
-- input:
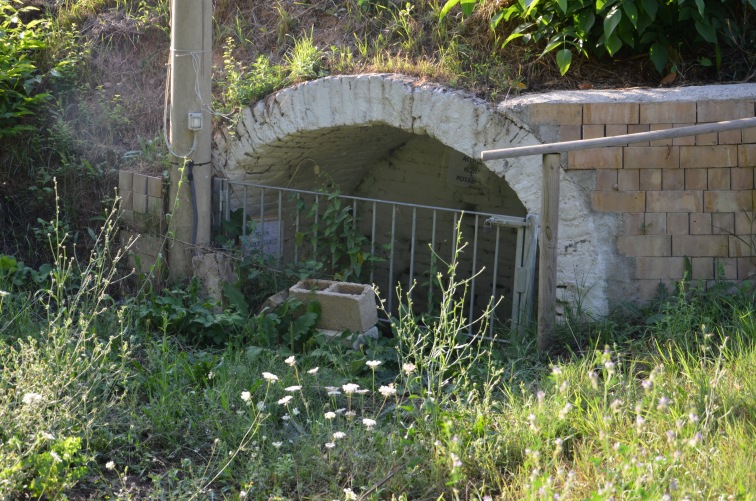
(142, 218)
(629, 216)
(685, 203)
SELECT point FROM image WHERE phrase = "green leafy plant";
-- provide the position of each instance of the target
(19, 73)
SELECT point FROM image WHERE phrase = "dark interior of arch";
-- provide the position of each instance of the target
(386, 163)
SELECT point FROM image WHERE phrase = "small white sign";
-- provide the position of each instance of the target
(263, 235)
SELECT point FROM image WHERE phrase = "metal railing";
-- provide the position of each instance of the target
(405, 244)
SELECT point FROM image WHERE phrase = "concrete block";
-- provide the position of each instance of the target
(672, 112)
(747, 155)
(744, 223)
(678, 223)
(726, 268)
(741, 178)
(685, 140)
(555, 114)
(721, 110)
(673, 179)
(155, 186)
(655, 224)
(615, 130)
(708, 156)
(618, 201)
(633, 223)
(636, 128)
(700, 245)
(127, 199)
(660, 267)
(741, 246)
(728, 201)
(661, 142)
(596, 158)
(124, 181)
(700, 223)
(707, 139)
(627, 179)
(645, 245)
(749, 135)
(674, 201)
(652, 157)
(702, 268)
(606, 179)
(746, 268)
(650, 289)
(722, 223)
(610, 113)
(139, 184)
(718, 179)
(650, 179)
(593, 131)
(570, 132)
(139, 203)
(344, 306)
(696, 179)
(730, 137)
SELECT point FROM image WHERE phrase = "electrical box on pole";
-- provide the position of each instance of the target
(189, 132)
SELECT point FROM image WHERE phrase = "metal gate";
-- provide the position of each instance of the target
(404, 244)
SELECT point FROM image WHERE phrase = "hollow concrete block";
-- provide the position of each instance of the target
(344, 306)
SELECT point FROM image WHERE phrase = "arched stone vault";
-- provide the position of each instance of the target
(355, 118)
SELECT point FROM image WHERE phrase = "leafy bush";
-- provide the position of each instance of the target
(19, 74)
(655, 27)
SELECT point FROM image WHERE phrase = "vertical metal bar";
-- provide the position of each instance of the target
(432, 271)
(296, 229)
(317, 218)
(412, 249)
(262, 221)
(280, 225)
(517, 279)
(244, 213)
(372, 243)
(391, 258)
(227, 207)
(495, 276)
(471, 315)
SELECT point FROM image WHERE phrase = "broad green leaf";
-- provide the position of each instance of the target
(701, 6)
(468, 6)
(510, 38)
(707, 32)
(705, 61)
(659, 56)
(585, 20)
(562, 5)
(613, 44)
(611, 21)
(447, 7)
(631, 11)
(564, 59)
(603, 4)
(650, 6)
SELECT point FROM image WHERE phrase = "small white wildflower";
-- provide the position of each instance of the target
(334, 393)
(269, 377)
(293, 388)
(362, 391)
(330, 445)
(646, 384)
(4, 293)
(285, 417)
(242, 494)
(329, 415)
(110, 465)
(695, 440)
(564, 386)
(350, 495)
(277, 445)
(314, 370)
(373, 363)
(340, 411)
(609, 366)
(567, 408)
(332, 388)
(556, 370)
(48, 436)
(246, 397)
(295, 411)
(337, 435)
(387, 391)
(285, 400)
(541, 396)
(594, 379)
(350, 388)
(663, 404)
(456, 463)
(31, 398)
(291, 361)
(210, 375)
(693, 417)
(671, 436)
(369, 423)
(55, 457)
(640, 422)
(350, 414)
(408, 368)
(615, 405)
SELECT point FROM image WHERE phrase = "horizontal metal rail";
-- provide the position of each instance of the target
(604, 142)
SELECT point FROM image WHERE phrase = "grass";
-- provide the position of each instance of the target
(93, 404)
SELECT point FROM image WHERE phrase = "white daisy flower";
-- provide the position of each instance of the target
(373, 363)
(291, 361)
(269, 377)
(368, 422)
(285, 400)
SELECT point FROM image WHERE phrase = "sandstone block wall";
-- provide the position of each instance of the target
(143, 217)
(686, 204)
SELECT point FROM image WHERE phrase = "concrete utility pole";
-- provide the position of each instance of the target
(189, 133)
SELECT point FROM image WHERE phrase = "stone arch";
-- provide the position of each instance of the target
(469, 125)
